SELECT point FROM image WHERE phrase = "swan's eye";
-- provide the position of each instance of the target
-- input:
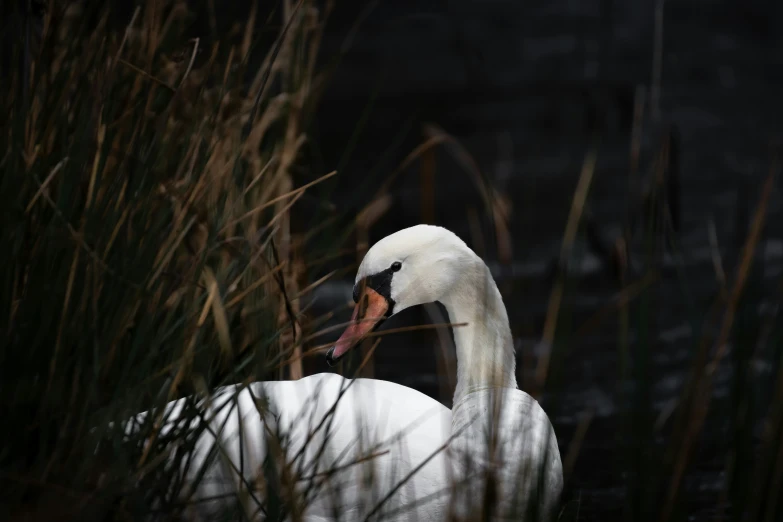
(396, 266)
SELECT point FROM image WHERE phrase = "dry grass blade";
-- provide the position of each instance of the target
(704, 393)
(575, 447)
(717, 261)
(315, 284)
(622, 299)
(332, 471)
(572, 226)
(256, 284)
(126, 34)
(748, 254)
(296, 193)
(219, 313)
(412, 156)
(268, 71)
(146, 75)
(171, 250)
(323, 347)
(498, 206)
(45, 184)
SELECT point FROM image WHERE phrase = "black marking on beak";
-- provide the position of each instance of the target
(381, 283)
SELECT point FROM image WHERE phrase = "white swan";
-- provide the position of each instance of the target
(384, 457)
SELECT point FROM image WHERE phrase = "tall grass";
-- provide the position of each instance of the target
(736, 332)
(147, 181)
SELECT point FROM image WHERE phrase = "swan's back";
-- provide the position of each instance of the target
(525, 461)
(342, 461)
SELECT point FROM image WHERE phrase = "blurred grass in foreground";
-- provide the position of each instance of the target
(146, 190)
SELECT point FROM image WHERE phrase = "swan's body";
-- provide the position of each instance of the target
(370, 430)
(494, 426)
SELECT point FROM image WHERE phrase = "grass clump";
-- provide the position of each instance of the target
(147, 182)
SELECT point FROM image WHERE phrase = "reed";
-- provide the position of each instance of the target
(148, 179)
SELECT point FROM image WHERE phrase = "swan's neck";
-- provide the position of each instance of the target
(485, 348)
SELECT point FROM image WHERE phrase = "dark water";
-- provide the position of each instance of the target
(527, 87)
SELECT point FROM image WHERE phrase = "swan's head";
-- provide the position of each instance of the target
(416, 265)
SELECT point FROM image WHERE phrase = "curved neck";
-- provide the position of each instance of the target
(485, 348)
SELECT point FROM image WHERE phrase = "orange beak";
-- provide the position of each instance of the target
(368, 314)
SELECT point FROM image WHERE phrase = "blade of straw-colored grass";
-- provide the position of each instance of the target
(703, 396)
(190, 63)
(497, 205)
(315, 284)
(45, 183)
(182, 367)
(621, 299)
(409, 159)
(146, 74)
(253, 263)
(284, 211)
(267, 72)
(324, 347)
(30, 156)
(467, 162)
(666, 413)
(633, 167)
(575, 446)
(336, 254)
(367, 356)
(115, 232)
(219, 313)
(717, 260)
(258, 282)
(338, 326)
(96, 161)
(373, 211)
(271, 161)
(351, 34)
(342, 467)
(211, 291)
(63, 316)
(247, 37)
(394, 330)
(748, 254)
(555, 297)
(293, 193)
(79, 237)
(126, 34)
(163, 263)
(578, 204)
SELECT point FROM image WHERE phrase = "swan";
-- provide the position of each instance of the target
(367, 449)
